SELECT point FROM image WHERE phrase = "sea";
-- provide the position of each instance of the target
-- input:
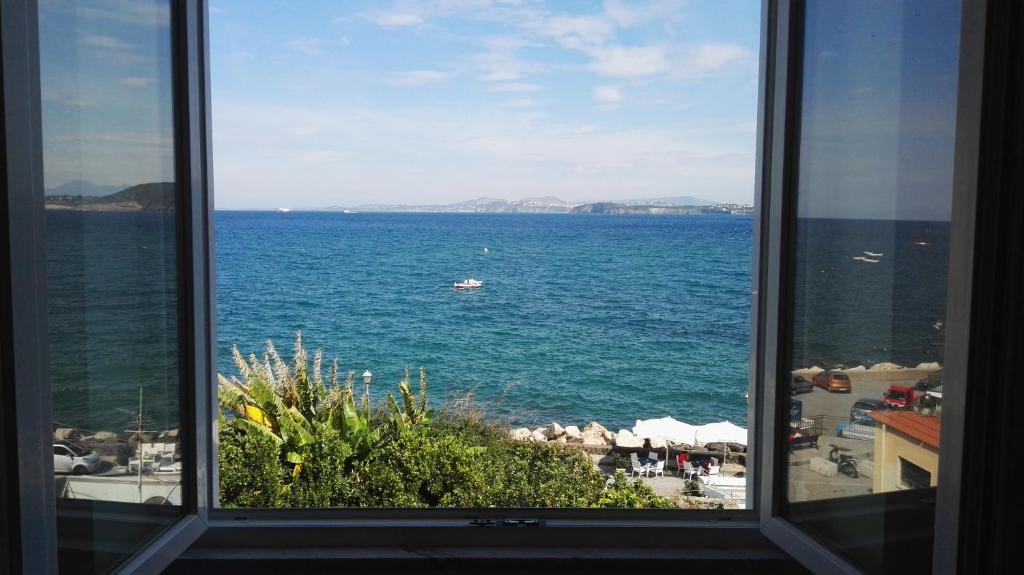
(581, 317)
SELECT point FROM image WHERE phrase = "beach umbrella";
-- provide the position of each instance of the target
(723, 432)
(666, 428)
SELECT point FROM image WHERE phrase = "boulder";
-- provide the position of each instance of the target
(573, 433)
(822, 466)
(595, 427)
(813, 370)
(561, 439)
(554, 431)
(169, 434)
(657, 443)
(538, 435)
(66, 434)
(931, 365)
(521, 434)
(625, 438)
(594, 438)
(105, 436)
(885, 366)
(856, 368)
(737, 448)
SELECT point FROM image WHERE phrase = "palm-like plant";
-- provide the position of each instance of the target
(289, 404)
(414, 413)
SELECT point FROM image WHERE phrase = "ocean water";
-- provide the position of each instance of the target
(581, 317)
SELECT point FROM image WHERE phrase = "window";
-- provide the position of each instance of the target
(914, 477)
(871, 233)
(887, 201)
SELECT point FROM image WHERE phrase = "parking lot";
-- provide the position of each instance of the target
(806, 485)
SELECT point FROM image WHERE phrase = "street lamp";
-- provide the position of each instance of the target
(367, 376)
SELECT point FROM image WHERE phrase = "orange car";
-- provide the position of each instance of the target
(833, 381)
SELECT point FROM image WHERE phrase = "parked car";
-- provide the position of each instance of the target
(901, 397)
(862, 408)
(800, 385)
(932, 382)
(71, 458)
(833, 381)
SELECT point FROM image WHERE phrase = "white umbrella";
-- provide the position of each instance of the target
(666, 428)
(722, 432)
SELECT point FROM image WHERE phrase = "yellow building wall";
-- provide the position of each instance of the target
(890, 446)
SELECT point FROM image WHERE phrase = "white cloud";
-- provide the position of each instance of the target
(136, 13)
(516, 87)
(419, 77)
(105, 42)
(136, 81)
(520, 103)
(395, 19)
(630, 61)
(713, 57)
(307, 46)
(345, 41)
(608, 97)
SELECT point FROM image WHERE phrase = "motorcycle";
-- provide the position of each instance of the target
(847, 463)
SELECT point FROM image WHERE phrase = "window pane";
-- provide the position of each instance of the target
(869, 285)
(108, 156)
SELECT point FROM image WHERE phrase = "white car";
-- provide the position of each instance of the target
(70, 458)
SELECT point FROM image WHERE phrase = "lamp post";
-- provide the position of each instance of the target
(367, 376)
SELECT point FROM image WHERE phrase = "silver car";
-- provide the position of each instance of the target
(71, 458)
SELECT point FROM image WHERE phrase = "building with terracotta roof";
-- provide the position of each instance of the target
(906, 450)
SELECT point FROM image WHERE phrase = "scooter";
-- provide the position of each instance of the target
(847, 463)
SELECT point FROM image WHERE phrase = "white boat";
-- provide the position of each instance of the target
(865, 259)
(468, 284)
(874, 255)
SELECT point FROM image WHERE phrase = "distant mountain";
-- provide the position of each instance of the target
(641, 209)
(669, 201)
(151, 197)
(82, 188)
(553, 205)
(548, 204)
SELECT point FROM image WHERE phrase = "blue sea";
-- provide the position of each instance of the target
(581, 317)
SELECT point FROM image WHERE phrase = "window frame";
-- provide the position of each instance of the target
(779, 195)
(26, 380)
(25, 337)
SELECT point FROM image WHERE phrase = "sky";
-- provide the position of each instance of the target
(320, 104)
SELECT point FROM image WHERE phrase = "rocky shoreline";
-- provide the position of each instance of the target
(596, 438)
(114, 448)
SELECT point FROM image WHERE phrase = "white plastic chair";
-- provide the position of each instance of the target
(652, 455)
(637, 467)
(713, 471)
(659, 468)
(689, 471)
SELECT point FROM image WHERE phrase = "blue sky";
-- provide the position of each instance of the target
(435, 101)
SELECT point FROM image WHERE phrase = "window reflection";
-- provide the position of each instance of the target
(108, 160)
(869, 285)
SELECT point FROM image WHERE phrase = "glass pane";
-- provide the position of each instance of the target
(871, 263)
(108, 157)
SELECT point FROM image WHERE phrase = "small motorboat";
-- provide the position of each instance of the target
(468, 284)
(874, 255)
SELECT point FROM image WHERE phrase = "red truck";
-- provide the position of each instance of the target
(900, 397)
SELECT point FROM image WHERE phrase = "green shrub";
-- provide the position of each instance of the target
(298, 439)
(250, 471)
